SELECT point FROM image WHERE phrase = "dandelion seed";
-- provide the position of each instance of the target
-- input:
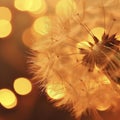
(83, 53)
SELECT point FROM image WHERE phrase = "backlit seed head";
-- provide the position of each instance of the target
(83, 53)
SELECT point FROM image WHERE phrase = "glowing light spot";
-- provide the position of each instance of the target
(42, 25)
(118, 37)
(103, 106)
(23, 5)
(38, 6)
(5, 14)
(83, 44)
(7, 98)
(106, 80)
(103, 101)
(22, 86)
(98, 32)
(5, 28)
(55, 91)
(65, 8)
(31, 5)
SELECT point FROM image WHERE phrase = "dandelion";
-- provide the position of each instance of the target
(78, 62)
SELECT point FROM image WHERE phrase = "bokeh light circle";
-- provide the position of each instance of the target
(31, 5)
(22, 86)
(42, 25)
(7, 98)
(55, 91)
(5, 28)
(98, 32)
(23, 5)
(5, 14)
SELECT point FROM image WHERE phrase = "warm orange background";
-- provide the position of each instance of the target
(13, 58)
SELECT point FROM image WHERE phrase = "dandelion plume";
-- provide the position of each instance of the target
(77, 62)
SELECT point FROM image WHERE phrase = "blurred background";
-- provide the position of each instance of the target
(20, 23)
(16, 37)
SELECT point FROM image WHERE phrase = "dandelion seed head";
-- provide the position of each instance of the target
(78, 61)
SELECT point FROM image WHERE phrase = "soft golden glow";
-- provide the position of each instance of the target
(23, 5)
(98, 32)
(5, 13)
(42, 25)
(30, 5)
(22, 86)
(103, 106)
(7, 98)
(83, 44)
(65, 8)
(38, 6)
(55, 91)
(5, 28)
(106, 80)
